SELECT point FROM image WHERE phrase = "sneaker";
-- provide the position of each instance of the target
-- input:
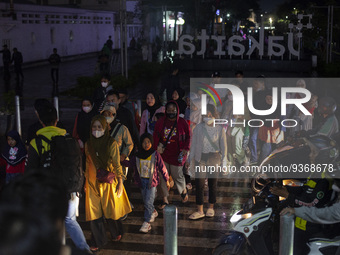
(154, 216)
(145, 227)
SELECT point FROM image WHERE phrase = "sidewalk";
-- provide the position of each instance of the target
(38, 84)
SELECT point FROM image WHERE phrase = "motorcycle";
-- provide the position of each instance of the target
(255, 226)
(299, 152)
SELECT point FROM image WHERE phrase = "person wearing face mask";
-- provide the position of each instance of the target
(177, 96)
(81, 128)
(209, 148)
(153, 106)
(123, 115)
(104, 200)
(101, 92)
(120, 133)
(172, 140)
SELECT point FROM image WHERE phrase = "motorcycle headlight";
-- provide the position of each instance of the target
(239, 216)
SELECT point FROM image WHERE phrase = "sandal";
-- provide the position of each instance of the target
(185, 197)
(196, 216)
(118, 238)
(94, 249)
(210, 212)
(162, 205)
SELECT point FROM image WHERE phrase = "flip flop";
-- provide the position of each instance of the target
(210, 212)
(196, 216)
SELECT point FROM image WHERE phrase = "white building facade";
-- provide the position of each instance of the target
(36, 29)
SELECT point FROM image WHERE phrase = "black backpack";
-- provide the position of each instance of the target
(64, 160)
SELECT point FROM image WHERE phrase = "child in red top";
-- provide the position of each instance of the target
(13, 156)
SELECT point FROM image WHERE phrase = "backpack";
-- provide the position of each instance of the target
(64, 160)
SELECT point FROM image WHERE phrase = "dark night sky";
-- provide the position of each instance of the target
(269, 5)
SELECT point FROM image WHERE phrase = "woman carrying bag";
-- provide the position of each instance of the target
(209, 148)
(105, 195)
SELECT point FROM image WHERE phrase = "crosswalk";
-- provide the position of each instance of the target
(194, 237)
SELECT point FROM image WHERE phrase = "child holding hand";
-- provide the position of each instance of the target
(149, 165)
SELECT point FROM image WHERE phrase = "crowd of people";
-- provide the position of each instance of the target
(156, 151)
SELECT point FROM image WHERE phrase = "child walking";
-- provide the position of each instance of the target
(149, 165)
(13, 156)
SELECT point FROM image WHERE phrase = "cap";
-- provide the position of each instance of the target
(109, 108)
(216, 74)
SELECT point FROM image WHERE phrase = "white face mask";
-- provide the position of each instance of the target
(112, 104)
(87, 109)
(104, 84)
(98, 133)
(208, 121)
(109, 119)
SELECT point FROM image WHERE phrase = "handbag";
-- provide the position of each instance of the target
(105, 176)
(102, 174)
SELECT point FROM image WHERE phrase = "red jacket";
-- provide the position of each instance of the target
(182, 138)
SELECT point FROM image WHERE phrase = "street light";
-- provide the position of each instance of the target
(270, 21)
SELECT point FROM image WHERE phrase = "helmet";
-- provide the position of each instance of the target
(327, 105)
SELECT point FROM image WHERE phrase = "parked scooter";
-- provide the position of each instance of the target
(255, 226)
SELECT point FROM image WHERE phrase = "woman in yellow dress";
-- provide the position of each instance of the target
(104, 201)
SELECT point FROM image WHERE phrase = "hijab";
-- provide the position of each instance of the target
(153, 109)
(14, 155)
(196, 116)
(84, 121)
(100, 148)
(143, 154)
